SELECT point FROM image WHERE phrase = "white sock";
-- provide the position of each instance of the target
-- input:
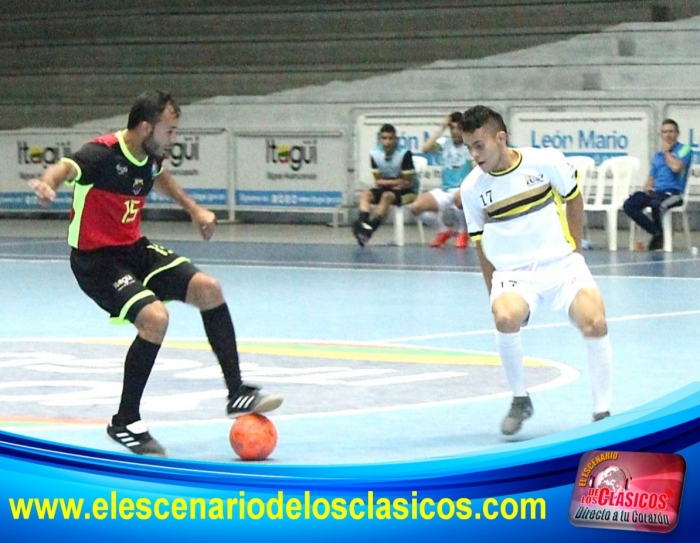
(510, 349)
(599, 352)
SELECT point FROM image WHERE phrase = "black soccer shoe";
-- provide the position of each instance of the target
(362, 232)
(249, 399)
(136, 438)
(656, 243)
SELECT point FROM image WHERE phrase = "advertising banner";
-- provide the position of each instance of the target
(24, 155)
(200, 161)
(294, 171)
(600, 134)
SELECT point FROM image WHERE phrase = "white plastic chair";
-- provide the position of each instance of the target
(610, 190)
(667, 223)
(399, 213)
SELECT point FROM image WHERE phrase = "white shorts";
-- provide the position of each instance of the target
(553, 284)
(445, 198)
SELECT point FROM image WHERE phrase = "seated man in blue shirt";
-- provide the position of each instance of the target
(664, 186)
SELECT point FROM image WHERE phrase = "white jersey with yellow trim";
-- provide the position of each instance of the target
(517, 214)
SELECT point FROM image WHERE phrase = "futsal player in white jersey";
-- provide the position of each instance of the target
(529, 252)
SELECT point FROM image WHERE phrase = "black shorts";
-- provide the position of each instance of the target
(403, 196)
(123, 280)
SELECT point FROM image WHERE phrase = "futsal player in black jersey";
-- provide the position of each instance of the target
(130, 277)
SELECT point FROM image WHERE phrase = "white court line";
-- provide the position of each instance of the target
(568, 375)
(274, 264)
(650, 262)
(540, 326)
(297, 416)
(349, 266)
(365, 266)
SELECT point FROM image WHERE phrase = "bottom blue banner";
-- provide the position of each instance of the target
(585, 484)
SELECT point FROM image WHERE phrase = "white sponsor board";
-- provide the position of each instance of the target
(688, 118)
(200, 161)
(412, 130)
(24, 155)
(600, 134)
(290, 171)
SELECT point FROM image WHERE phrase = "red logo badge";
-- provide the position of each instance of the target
(624, 490)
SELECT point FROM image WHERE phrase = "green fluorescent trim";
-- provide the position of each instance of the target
(121, 319)
(116, 321)
(77, 168)
(176, 262)
(683, 151)
(80, 193)
(127, 153)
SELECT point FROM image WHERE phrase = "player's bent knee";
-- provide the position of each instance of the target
(152, 322)
(509, 312)
(594, 326)
(507, 321)
(204, 292)
(588, 312)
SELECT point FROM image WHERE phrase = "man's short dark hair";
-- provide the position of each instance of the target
(387, 128)
(456, 117)
(479, 116)
(671, 121)
(149, 106)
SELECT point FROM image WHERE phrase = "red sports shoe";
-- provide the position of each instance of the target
(462, 241)
(441, 238)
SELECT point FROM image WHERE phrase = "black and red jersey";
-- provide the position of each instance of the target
(109, 193)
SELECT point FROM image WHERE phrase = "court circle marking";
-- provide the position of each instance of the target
(351, 351)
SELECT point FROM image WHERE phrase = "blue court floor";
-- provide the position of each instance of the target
(383, 353)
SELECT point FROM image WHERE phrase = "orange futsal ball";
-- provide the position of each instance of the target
(253, 437)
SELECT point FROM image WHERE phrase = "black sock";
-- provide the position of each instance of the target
(222, 338)
(364, 216)
(139, 362)
(375, 223)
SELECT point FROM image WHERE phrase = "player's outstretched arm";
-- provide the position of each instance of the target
(45, 187)
(202, 218)
(430, 145)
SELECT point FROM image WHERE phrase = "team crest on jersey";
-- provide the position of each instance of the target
(532, 179)
(138, 185)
